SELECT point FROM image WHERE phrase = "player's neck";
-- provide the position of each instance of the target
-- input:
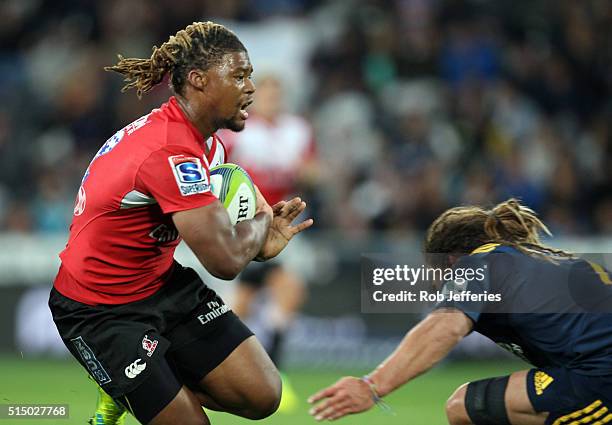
(199, 119)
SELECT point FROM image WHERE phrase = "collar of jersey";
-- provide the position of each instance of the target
(179, 111)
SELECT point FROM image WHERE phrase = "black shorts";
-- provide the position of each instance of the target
(174, 337)
(570, 397)
(255, 274)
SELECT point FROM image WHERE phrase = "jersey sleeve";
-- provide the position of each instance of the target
(470, 290)
(177, 180)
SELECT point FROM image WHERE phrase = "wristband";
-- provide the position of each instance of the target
(376, 398)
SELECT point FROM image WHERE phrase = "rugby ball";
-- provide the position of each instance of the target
(234, 188)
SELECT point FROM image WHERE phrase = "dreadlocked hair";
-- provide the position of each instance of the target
(200, 45)
(461, 230)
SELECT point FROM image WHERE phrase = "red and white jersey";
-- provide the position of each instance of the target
(272, 152)
(122, 238)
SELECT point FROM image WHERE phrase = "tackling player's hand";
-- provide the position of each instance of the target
(281, 231)
(348, 395)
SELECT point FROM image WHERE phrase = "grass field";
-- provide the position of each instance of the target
(419, 403)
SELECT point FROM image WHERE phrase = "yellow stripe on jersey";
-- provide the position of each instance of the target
(578, 413)
(488, 247)
(604, 420)
(603, 274)
(588, 419)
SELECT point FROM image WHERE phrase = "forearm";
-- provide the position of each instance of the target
(223, 249)
(423, 347)
(228, 253)
(251, 235)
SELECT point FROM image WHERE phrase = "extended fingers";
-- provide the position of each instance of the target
(297, 211)
(339, 414)
(278, 207)
(324, 393)
(334, 408)
(301, 226)
(292, 208)
(324, 409)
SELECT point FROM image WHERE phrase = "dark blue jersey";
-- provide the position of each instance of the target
(548, 311)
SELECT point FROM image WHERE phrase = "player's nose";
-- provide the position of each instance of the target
(250, 86)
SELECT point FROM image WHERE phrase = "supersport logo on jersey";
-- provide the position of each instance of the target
(189, 174)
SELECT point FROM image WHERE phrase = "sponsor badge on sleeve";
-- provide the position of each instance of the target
(190, 177)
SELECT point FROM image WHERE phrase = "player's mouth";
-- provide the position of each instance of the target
(243, 112)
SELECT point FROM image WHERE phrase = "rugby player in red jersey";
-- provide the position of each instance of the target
(149, 331)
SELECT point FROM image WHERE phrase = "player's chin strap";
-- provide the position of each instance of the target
(376, 398)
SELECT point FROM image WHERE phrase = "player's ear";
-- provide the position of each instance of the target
(197, 78)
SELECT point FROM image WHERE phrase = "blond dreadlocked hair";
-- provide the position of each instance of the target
(199, 45)
(461, 230)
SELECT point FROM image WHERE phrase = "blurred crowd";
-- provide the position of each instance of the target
(416, 105)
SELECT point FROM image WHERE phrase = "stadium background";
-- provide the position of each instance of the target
(417, 105)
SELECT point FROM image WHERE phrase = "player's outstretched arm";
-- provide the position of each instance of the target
(224, 250)
(424, 346)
